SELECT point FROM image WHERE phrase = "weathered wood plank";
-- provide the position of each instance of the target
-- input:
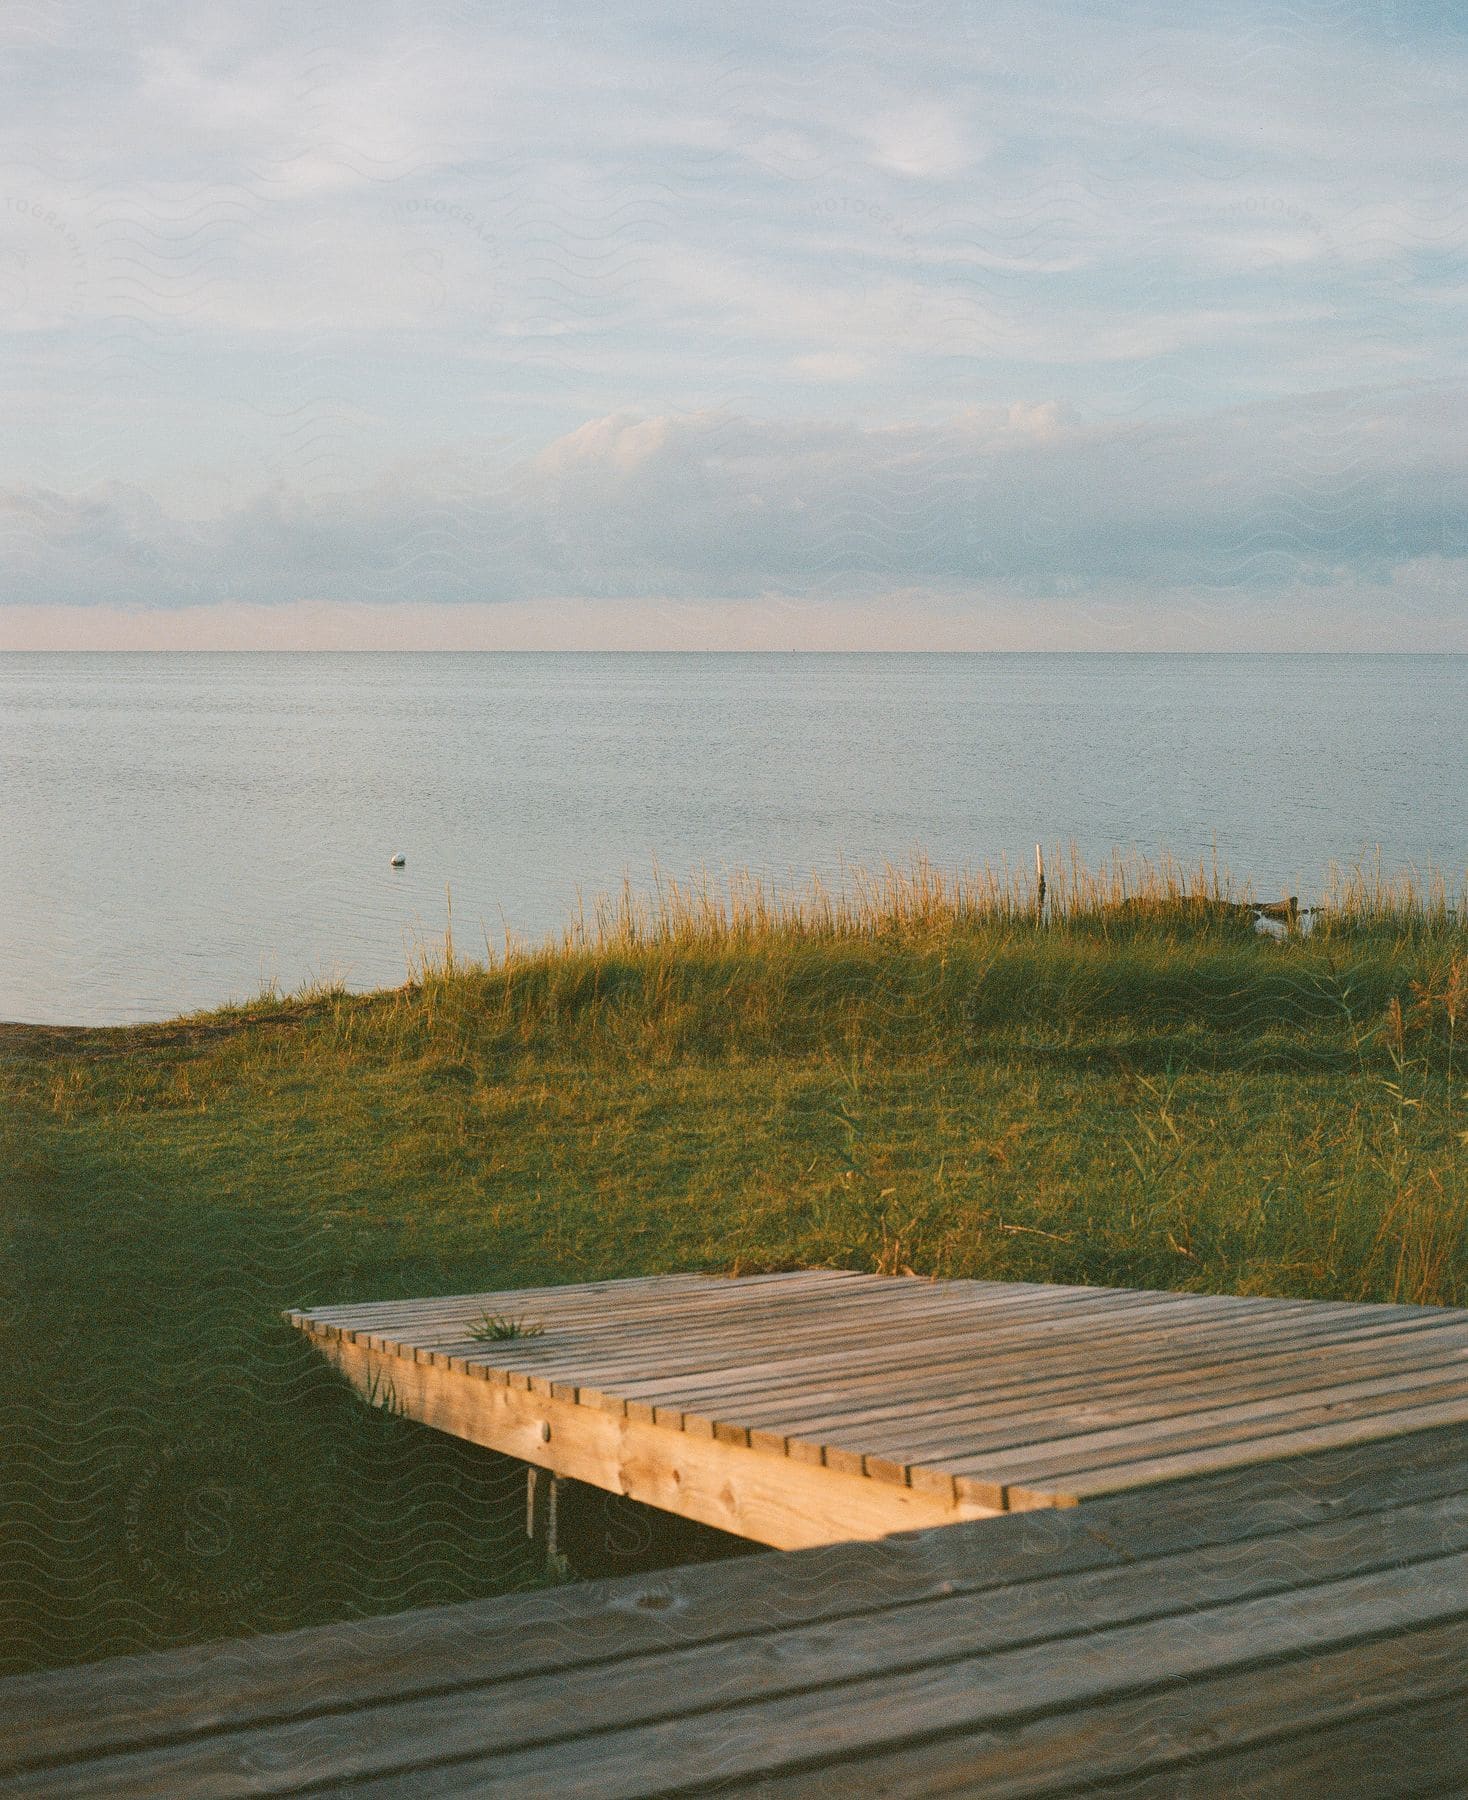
(918, 1417)
(954, 1391)
(750, 1303)
(665, 1334)
(1162, 1413)
(771, 1500)
(178, 1694)
(912, 1426)
(631, 1290)
(1397, 1752)
(582, 1325)
(880, 1364)
(1075, 1485)
(685, 1682)
(822, 1386)
(1024, 1356)
(647, 1341)
(1380, 1721)
(813, 1729)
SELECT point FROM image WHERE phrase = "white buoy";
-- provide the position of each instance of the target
(399, 861)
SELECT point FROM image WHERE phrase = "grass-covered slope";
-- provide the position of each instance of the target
(1140, 1091)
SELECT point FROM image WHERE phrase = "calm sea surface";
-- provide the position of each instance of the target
(176, 831)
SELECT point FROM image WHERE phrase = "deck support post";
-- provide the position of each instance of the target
(542, 1509)
(582, 1529)
(577, 1526)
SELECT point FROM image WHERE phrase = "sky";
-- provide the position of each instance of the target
(894, 324)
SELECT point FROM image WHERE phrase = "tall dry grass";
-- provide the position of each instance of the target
(921, 899)
(1132, 953)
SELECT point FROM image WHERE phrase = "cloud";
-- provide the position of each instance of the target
(1341, 489)
(831, 365)
(561, 301)
(926, 140)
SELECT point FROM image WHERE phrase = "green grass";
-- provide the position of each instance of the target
(492, 1329)
(1141, 1091)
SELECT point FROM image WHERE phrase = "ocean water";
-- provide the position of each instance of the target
(177, 831)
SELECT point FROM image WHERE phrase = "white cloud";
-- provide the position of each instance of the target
(926, 140)
(831, 365)
(1021, 500)
(286, 275)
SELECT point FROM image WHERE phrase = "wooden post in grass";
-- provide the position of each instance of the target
(1039, 885)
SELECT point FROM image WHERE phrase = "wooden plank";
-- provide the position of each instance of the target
(1025, 1345)
(623, 1290)
(101, 1707)
(1287, 1385)
(1029, 1444)
(725, 1299)
(813, 1729)
(808, 1314)
(773, 1501)
(719, 1323)
(646, 1297)
(537, 1368)
(1080, 1484)
(981, 1429)
(907, 1424)
(721, 1310)
(607, 1306)
(646, 1294)
(657, 1361)
(688, 1681)
(956, 1392)
(544, 1364)
(694, 1349)
(937, 1409)
(1002, 1349)
(810, 1386)
(600, 1311)
(569, 1304)
(748, 1374)
(1394, 1714)
(1397, 1753)
(182, 1693)
(799, 1674)
(563, 1295)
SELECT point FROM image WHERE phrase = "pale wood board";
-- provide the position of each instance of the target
(98, 1708)
(957, 1394)
(950, 1631)
(1240, 1630)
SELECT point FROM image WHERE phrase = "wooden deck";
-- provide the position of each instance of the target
(1295, 1627)
(819, 1407)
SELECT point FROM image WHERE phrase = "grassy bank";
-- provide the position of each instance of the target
(915, 1076)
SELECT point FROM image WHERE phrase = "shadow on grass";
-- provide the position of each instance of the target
(181, 1465)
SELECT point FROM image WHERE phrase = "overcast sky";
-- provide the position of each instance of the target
(896, 324)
